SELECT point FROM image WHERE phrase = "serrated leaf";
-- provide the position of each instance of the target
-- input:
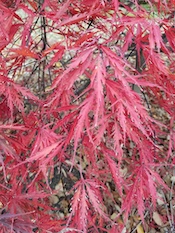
(25, 52)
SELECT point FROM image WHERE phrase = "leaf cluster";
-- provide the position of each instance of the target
(78, 80)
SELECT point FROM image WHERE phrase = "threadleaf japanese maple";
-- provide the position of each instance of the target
(87, 93)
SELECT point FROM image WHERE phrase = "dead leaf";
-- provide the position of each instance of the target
(157, 219)
(140, 229)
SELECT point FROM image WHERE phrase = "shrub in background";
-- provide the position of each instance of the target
(78, 82)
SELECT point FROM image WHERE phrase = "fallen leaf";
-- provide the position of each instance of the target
(157, 219)
(140, 229)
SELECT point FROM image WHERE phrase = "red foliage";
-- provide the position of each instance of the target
(68, 72)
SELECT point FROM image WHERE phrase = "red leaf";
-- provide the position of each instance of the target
(74, 19)
(85, 108)
(57, 56)
(84, 38)
(114, 169)
(25, 52)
